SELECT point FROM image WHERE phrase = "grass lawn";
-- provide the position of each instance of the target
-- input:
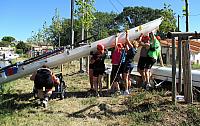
(142, 108)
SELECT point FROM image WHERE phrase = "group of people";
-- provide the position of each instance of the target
(149, 54)
(122, 63)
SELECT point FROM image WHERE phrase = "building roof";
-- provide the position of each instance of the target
(194, 45)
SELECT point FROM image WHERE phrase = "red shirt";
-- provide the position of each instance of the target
(116, 57)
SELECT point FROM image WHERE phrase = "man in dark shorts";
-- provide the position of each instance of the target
(142, 63)
(98, 68)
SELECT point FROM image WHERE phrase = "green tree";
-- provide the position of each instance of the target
(84, 13)
(138, 16)
(169, 19)
(4, 44)
(46, 36)
(56, 27)
(104, 25)
(8, 38)
(21, 45)
(85, 10)
(142, 15)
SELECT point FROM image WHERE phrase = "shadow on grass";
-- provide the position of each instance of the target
(73, 73)
(79, 114)
(83, 94)
(99, 112)
(12, 102)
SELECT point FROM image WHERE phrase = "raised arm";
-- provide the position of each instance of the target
(151, 35)
(116, 40)
(128, 41)
(140, 40)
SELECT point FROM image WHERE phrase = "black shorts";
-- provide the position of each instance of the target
(91, 66)
(150, 62)
(128, 67)
(142, 63)
(98, 71)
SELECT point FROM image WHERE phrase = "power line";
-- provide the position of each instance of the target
(195, 15)
(120, 3)
(114, 6)
(190, 15)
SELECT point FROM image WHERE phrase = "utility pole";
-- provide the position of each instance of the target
(187, 18)
(178, 23)
(72, 23)
(82, 38)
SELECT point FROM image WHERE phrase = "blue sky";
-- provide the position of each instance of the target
(20, 17)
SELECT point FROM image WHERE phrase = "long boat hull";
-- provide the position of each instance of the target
(72, 54)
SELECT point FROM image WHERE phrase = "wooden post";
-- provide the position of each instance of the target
(187, 79)
(173, 71)
(185, 71)
(189, 75)
(82, 38)
(180, 64)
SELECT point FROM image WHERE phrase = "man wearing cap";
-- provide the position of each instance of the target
(98, 68)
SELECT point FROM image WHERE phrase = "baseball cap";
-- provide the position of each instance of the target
(100, 47)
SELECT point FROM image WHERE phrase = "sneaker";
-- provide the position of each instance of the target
(91, 90)
(100, 94)
(130, 90)
(39, 102)
(148, 86)
(143, 85)
(46, 99)
(96, 94)
(126, 92)
(44, 103)
(118, 93)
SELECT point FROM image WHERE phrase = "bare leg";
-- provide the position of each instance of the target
(40, 94)
(148, 73)
(129, 81)
(147, 76)
(48, 93)
(143, 75)
(126, 82)
(95, 82)
(91, 78)
(100, 83)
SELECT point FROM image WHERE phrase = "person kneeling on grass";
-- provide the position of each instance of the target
(44, 77)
